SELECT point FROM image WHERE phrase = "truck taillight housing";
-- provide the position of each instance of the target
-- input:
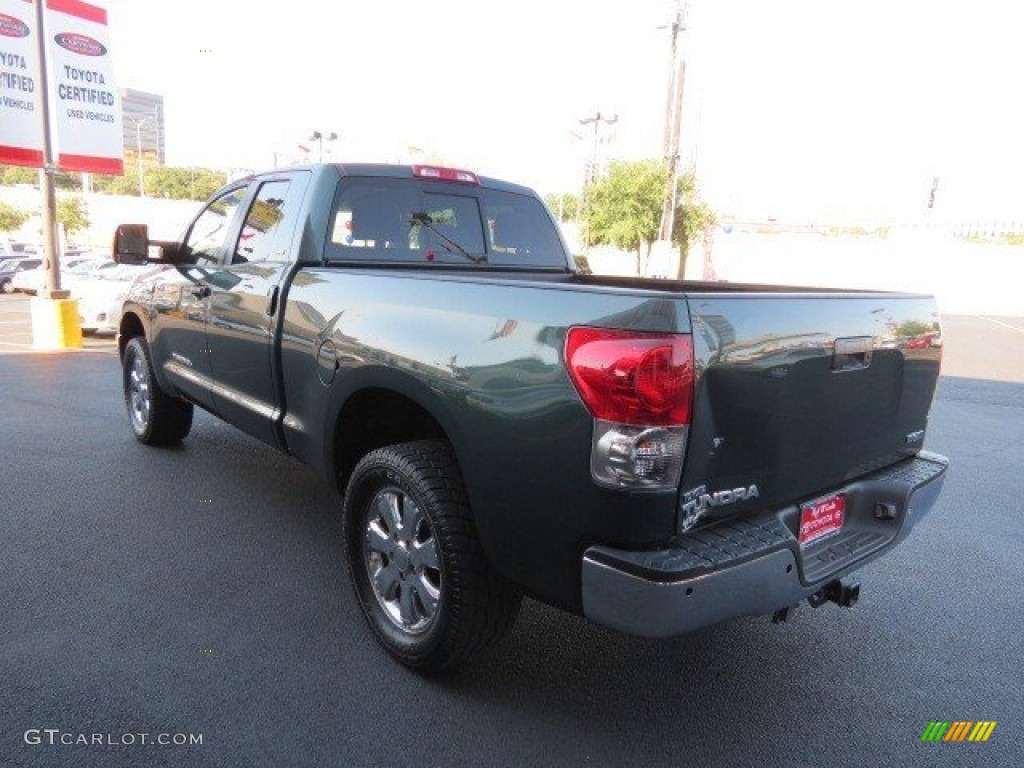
(639, 388)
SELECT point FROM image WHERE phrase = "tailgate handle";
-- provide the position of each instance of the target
(852, 353)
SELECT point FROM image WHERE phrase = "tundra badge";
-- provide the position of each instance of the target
(698, 501)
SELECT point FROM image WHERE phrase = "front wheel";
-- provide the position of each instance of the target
(156, 417)
(7, 286)
(417, 566)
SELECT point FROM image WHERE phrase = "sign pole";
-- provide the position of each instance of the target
(50, 240)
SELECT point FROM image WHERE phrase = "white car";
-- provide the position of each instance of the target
(101, 295)
(72, 269)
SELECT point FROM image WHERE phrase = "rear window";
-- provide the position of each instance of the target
(401, 220)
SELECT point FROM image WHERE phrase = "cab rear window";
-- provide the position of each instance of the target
(399, 220)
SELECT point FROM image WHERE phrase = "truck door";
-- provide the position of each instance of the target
(245, 297)
(182, 300)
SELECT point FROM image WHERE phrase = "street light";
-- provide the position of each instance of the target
(591, 172)
(596, 120)
(138, 148)
(317, 136)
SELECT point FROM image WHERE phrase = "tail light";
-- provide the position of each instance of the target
(639, 388)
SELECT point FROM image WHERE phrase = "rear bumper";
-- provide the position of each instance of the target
(755, 565)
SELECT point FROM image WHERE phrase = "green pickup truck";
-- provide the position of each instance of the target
(657, 456)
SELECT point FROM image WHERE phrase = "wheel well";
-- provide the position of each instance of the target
(374, 418)
(131, 327)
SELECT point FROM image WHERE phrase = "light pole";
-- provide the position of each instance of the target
(138, 148)
(319, 137)
(591, 173)
(596, 120)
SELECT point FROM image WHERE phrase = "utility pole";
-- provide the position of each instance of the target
(673, 119)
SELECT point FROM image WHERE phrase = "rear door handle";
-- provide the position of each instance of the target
(853, 353)
(201, 291)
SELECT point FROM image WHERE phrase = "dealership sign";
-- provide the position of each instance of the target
(21, 137)
(85, 109)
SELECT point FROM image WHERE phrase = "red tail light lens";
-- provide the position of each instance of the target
(632, 378)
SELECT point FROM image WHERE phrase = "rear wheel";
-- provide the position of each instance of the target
(7, 287)
(156, 417)
(417, 565)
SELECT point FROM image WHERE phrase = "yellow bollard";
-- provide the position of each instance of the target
(55, 324)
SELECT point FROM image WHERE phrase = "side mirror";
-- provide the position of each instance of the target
(131, 244)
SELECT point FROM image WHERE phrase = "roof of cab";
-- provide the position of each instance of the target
(396, 172)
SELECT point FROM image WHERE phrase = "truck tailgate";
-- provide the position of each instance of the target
(796, 394)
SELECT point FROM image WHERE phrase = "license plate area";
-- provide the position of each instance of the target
(821, 518)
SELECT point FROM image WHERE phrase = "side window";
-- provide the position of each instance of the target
(209, 232)
(263, 224)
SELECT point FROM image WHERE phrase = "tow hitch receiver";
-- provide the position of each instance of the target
(842, 592)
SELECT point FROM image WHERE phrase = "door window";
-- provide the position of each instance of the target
(209, 232)
(263, 225)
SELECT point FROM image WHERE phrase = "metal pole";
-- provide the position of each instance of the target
(138, 158)
(50, 242)
(673, 121)
(138, 150)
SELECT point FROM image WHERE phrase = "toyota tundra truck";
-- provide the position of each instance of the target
(658, 456)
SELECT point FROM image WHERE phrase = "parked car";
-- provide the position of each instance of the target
(12, 268)
(101, 294)
(499, 424)
(72, 267)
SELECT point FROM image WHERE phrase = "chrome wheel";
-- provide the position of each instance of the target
(139, 395)
(402, 560)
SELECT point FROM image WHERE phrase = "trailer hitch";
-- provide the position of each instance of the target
(843, 592)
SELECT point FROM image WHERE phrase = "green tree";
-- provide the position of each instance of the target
(11, 218)
(161, 181)
(72, 214)
(623, 207)
(562, 205)
(183, 183)
(694, 218)
(17, 174)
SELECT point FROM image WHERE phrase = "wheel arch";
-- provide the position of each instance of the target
(377, 415)
(129, 327)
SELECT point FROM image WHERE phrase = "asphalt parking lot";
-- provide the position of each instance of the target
(201, 591)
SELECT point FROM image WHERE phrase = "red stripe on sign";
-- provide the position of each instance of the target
(79, 9)
(21, 156)
(111, 166)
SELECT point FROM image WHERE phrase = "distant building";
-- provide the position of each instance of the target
(143, 122)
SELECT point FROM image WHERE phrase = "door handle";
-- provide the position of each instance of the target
(201, 291)
(272, 301)
(852, 353)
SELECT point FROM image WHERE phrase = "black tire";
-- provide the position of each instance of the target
(475, 606)
(156, 417)
(7, 286)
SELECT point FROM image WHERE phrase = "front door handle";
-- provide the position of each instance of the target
(201, 291)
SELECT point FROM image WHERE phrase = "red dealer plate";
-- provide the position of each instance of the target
(822, 517)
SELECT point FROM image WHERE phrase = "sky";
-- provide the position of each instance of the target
(799, 109)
